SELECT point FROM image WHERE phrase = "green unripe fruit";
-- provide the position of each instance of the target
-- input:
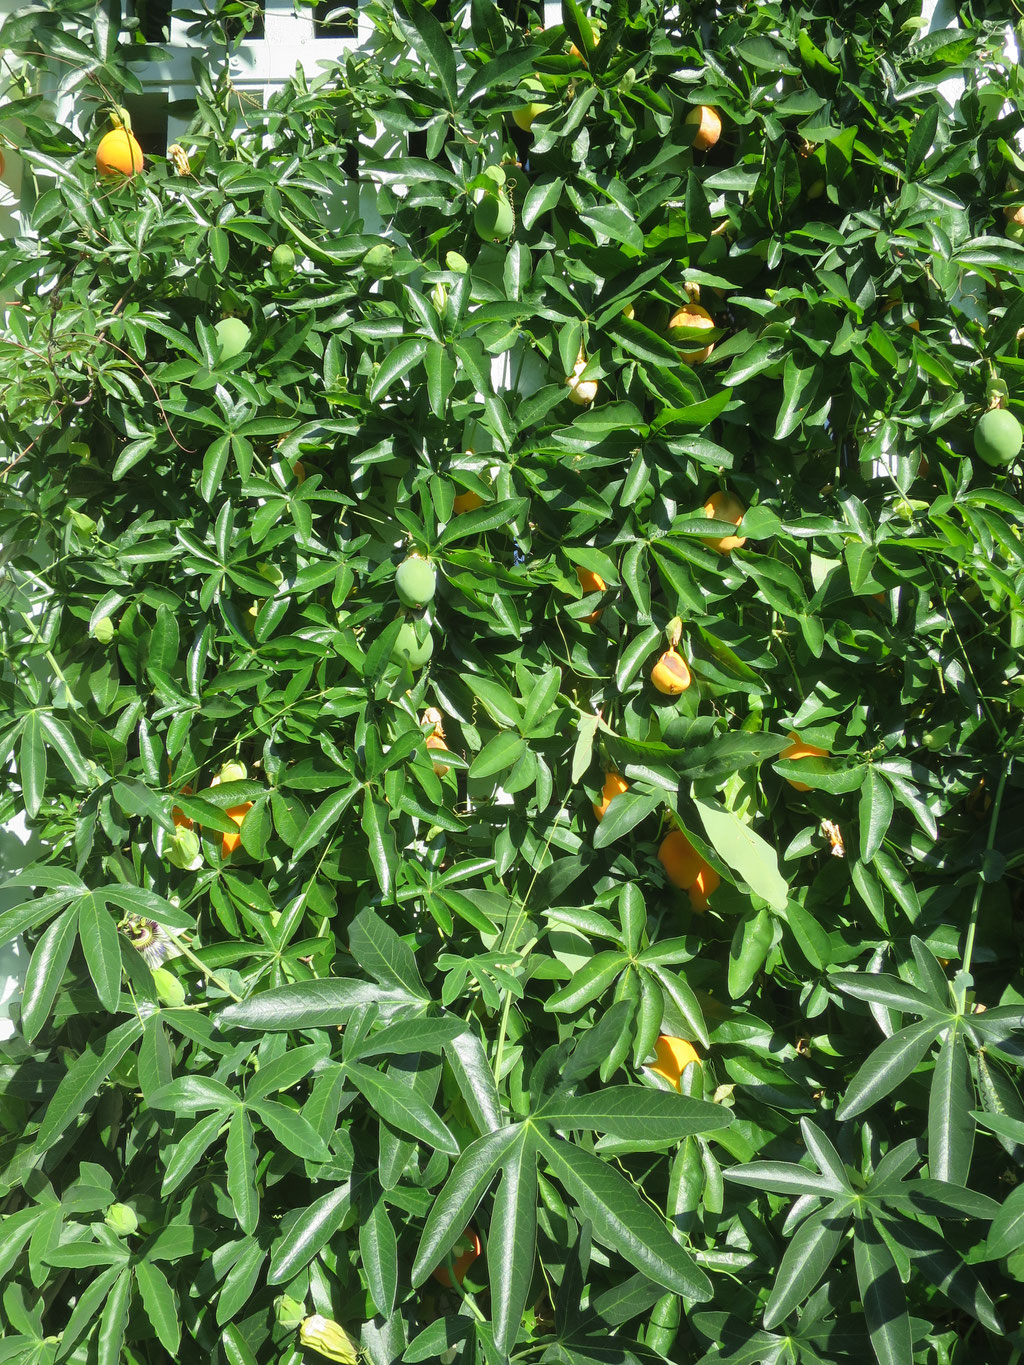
(379, 261)
(415, 582)
(282, 261)
(494, 219)
(122, 1220)
(998, 437)
(169, 990)
(413, 646)
(233, 335)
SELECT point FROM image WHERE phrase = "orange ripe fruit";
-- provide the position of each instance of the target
(231, 841)
(798, 749)
(181, 820)
(724, 507)
(705, 884)
(706, 124)
(119, 153)
(465, 1251)
(614, 785)
(467, 502)
(679, 858)
(671, 674)
(692, 315)
(590, 582)
(673, 1056)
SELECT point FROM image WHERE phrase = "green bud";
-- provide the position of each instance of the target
(329, 1338)
(439, 297)
(83, 524)
(104, 630)
(379, 261)
(169, 990)
(121, 1220)
(182, 848)
(289, 1312)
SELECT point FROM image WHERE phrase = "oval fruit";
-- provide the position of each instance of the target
(692, 315)
(591, 582)
(229, 842)
(415, 581)
(722, 506)
(798, 749)
(673, 1056)
(998, 437)
(410, 649)
(233, 335)
(119, 153)
(671, 674)
(282, 261)
(464, 1253)
(614, 786)
(466, 502)
(581, 391)
(494, 219)
(705, 884)
(679, 858)
(706, 124)
(523, 116)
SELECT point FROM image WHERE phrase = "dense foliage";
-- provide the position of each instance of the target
(304, 1003)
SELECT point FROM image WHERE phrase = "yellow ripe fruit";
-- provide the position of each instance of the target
(118, 153)
(671, 674)
(673, 1056)
(614, 786)
(581, 391)
(724, 507)
(707, 126)
(692, 315)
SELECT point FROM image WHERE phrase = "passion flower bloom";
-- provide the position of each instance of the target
(147, 938)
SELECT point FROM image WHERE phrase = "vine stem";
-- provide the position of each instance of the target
(187, 952)
(972, 927)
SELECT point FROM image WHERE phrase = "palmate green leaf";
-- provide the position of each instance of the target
(191, 1149)
(468, 1061)
(309, 1232)
(511, 1246)
(783, 1177)
(89, 1306)
(378, 1249)
(453, 1208)
(401, 1107)
(49, 959)
(889, 1065)
(158, 1299)
(101, 945)
(1006, 1234)
(622, 1220)
(312, 1005)
(241, 1159)
(589, 982)
(384, 955)
(933, 1257)
(807, 1258)
(883, 1296)
(113, 1321)
(630, 1111)
(83, 1079)
(236, 1348)
(240, 1280)
(295, 1133)
(874, 813)
(950, 1101)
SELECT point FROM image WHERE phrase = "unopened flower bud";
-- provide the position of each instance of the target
(182, 849)
(169, 990)
(289, 1312)
(104, 630)
(121, 1219)
(329, 1338)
